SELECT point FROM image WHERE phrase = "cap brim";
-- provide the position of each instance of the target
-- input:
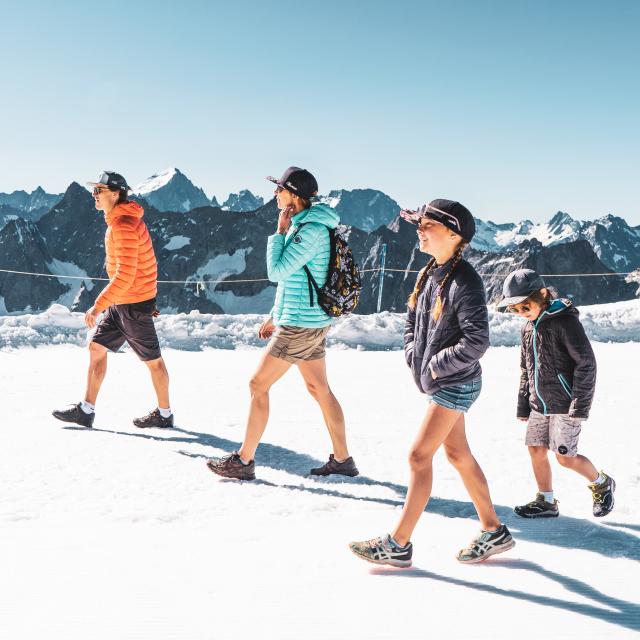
(507, 302)
(410, 215)
(274, 180)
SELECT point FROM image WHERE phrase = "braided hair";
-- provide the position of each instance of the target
(422, 280)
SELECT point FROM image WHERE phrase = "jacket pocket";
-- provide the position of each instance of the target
(565, 385)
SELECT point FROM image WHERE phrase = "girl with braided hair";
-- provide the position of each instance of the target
(446, 334)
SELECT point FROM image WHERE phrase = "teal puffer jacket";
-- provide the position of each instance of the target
(286, 257)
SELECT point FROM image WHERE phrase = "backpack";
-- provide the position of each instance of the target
(341, 292)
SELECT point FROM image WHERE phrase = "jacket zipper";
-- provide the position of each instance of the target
(535, 362)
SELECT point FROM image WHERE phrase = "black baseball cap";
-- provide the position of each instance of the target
(518, 286)
(112, 180)
(298, 181)
(451, 214)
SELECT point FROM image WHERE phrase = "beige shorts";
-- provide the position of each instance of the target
(557, 432)
(296, 344)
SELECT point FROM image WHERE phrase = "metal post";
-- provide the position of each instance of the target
(383, 255)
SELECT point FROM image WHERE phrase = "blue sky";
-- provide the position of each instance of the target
(515, 108)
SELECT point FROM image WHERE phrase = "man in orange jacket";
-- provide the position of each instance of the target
(129, 303)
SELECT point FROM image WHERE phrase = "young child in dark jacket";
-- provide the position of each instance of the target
(557, 381)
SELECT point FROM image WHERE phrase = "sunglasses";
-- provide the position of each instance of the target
(98, 190)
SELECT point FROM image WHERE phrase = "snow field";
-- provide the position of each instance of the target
(118, 533)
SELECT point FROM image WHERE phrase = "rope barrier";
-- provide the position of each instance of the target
(202, 283)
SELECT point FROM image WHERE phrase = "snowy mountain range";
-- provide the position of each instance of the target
(30, 206)
(615, 242)
(209, 249)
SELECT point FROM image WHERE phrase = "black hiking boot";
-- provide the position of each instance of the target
(154, 420)
(230, 466)
(76, 415)
(603, 496)
(345, 468)
(538, 508)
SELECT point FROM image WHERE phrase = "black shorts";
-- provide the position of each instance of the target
(132, 323)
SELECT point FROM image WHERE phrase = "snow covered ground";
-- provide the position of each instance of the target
(121, 534)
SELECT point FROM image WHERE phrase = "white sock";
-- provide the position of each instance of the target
(165, 413)
(600, 479)
(87, 407)
(548, 496)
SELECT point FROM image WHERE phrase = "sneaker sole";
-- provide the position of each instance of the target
(538, 515)
(80, 424)
(492, 552)
(218, 472)
(333, 473)
(401, 564)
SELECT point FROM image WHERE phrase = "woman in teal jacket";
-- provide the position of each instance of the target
(297, 325)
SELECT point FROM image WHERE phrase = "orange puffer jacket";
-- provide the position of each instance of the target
(131, 262)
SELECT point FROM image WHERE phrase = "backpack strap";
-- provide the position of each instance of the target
(312, 285)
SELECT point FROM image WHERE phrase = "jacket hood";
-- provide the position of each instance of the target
(321, 213)
(559, 306)
(132, 209)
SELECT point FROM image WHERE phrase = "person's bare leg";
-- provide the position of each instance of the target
(541, 468)
(160, 379)
(269, 371)
(314, 373)
(97, 371)
(459, 455)
(579, 464)
(435, 428)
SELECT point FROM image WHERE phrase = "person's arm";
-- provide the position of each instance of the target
(524, 408)
(409, 334)
(471, 311)
(125, 241)
(584, 373)
(283, 261)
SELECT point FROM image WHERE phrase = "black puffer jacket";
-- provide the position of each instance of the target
(451, 346)
(558, 368)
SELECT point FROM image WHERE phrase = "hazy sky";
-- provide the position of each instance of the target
(515, 108)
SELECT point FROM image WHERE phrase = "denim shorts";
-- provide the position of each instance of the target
(459, 397)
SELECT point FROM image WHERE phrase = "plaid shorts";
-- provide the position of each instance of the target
(556, 431)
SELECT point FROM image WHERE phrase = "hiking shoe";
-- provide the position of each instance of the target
(383, 550)
(230, 466)
(345, 468)
(487, 543)
(538, 508)
(154, 420)
(603, 496)
(76, 415)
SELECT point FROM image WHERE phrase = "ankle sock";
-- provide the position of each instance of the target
(87, 407)
(244, 462)
(165, 413)
(548, 496)
(395, 543)
(600, 479)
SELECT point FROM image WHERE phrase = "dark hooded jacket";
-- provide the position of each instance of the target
(557, 364)
(451, 346)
